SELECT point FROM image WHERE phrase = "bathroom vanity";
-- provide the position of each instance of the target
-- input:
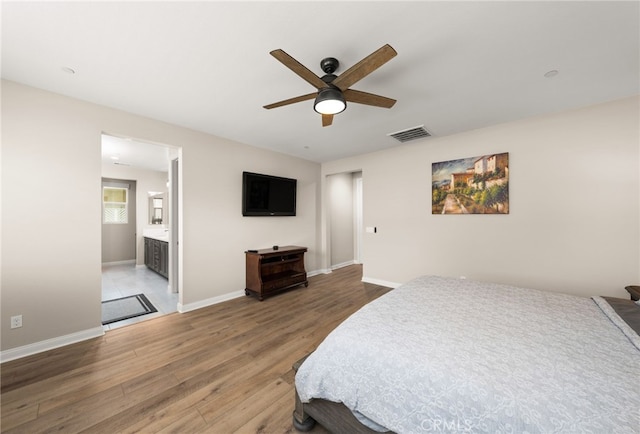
(156, 255)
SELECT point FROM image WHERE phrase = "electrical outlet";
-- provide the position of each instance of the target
(16, 321)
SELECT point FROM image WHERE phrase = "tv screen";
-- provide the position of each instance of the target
(264, 195)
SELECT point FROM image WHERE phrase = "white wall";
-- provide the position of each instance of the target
(119, 240)
(574, 222)
(146, 181)
(51, 266)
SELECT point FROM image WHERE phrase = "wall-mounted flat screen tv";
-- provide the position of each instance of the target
(265, 195)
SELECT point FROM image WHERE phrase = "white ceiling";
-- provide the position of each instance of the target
(206, 65)
(135, 153)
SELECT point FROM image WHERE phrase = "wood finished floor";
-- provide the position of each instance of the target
(221, 369)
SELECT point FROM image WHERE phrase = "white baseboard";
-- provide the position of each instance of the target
(182, 308)
(343, 264)
(129, 261)
(50, 344)
(317, 272)
(380, 282)
(60, 341)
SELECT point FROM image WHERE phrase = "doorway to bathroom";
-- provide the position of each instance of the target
(143, 180)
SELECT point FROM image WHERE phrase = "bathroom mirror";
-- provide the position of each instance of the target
(156, 208)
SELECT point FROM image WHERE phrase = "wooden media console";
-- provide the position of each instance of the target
(269, 271)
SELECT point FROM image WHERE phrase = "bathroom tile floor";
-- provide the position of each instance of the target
(121, 280)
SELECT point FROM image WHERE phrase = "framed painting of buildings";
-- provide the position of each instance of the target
(473, 185)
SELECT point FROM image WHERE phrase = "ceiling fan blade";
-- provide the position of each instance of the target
(365, 67)
(298, 68)
(368, 98)
(327, 120)
(292, 100)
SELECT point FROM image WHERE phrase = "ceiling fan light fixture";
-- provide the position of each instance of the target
(329, 101)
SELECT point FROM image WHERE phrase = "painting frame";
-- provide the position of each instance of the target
(471, 185)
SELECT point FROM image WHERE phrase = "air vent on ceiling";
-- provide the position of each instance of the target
(410, 134)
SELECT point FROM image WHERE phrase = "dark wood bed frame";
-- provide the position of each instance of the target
(335, 417)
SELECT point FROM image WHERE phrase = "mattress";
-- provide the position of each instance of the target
(449, 355)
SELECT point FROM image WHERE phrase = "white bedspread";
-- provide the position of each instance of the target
(448, 355)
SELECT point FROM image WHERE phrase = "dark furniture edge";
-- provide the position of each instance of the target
(634, 292)
(628, 310)
(333, 416)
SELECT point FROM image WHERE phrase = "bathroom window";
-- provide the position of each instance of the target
(115, 205)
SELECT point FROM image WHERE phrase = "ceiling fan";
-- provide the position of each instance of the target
(334, 91)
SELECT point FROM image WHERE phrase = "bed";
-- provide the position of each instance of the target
(448, 355)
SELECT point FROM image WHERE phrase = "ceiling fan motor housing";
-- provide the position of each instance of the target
(328, 78)
(329, 65)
